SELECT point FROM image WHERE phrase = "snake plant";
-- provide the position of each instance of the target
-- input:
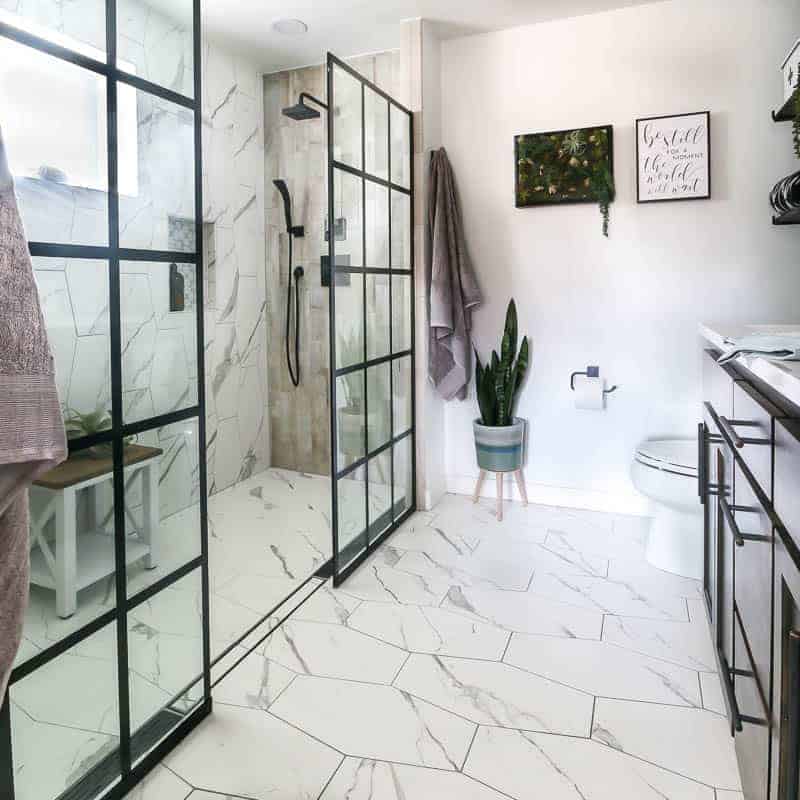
(499, 382)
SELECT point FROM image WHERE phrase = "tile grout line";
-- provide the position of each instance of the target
(332, 776)
(469, 748)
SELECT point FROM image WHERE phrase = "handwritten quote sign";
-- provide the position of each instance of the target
(673, 157)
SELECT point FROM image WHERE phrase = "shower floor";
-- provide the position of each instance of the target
(267, 535)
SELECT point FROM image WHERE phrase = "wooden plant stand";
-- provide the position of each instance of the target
(499, 476)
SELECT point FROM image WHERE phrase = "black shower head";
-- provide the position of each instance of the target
(281, 186)
(301, 112)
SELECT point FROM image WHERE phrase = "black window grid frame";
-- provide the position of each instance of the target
(137, 753)
(348, 559)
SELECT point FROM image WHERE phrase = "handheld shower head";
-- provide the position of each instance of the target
(281, 186)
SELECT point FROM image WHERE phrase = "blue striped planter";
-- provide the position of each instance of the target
(499, 449)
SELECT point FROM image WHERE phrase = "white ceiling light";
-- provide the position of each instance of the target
(290, 27)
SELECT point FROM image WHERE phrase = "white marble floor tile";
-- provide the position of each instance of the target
(365, 779)
(497, 694)
(605, 670)
(248, 752)
(688, 741)
(372, 721)
(554, 556)
(160, 784)
(711, 688)
(685, 643)
(525, 612)
(333, 651)
(723, 794)
(638, 572)
(255, 683)
(422, 629)
(390, 585)
(481, 569)
(610, 597)
(526, 765)
(418, 536)
(328, 605)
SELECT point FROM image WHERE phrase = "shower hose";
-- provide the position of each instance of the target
(294, 371)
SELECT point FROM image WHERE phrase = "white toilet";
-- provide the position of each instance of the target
(665, 470)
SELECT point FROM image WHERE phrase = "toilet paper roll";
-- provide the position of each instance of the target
(589, 393)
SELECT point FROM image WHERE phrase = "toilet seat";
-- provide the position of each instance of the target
(675, 456)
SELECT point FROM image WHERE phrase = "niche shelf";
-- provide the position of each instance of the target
(786, 112)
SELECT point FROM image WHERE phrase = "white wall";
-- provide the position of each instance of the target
(630, 303)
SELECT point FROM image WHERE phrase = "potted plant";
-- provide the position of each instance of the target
(499, 435)
(78, 425)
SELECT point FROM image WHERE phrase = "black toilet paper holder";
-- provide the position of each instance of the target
(590, 372)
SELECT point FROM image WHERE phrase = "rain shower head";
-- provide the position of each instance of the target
(301, 111)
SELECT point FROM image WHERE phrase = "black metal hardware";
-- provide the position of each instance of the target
(739, 442)
(701, 462)
(727, 684)
(792, 717)
(739, 537)
(590, 372)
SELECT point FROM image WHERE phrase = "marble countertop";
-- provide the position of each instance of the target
(782, 376)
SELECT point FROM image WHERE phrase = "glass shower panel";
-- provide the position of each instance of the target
(376, 134)
(400, 146)
(347, 118)
(351, 514)
(401, 313)
(350, 418)
(65, 721)
(159, 338)
(377, 225)
(156, 173)
(403, 476)
(401, 230)
(61, 181)
(162, 502)
(377, 318)
(378, 416)
(379, 474)
(80, 27)
(349, 320)
(154, 42)
(401, 387)
(348, 205)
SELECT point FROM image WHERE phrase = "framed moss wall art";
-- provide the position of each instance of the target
(569, 166)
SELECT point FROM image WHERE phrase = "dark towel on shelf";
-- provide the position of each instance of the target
(32, 438)
(453, 290)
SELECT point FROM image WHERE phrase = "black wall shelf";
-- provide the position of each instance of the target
(789, 218)
(786, 112)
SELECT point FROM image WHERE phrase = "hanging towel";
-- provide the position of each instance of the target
(453, 291)
(32, 438)
(783, 347)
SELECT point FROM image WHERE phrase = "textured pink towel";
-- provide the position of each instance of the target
(32, 438)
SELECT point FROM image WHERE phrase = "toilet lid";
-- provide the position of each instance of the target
(671, 455)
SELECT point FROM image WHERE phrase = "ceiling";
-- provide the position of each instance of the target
(354, 27)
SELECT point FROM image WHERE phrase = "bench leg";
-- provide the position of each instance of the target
(521, 486)
(499, 496)
(476, 495)
(66, 555)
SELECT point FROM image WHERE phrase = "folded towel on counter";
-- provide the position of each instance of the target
(785, 347)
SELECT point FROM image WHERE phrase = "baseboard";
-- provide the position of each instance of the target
(548, 495)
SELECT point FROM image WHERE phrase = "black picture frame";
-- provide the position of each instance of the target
(609, 129)
(707, 195)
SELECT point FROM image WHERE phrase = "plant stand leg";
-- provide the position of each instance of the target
(499, 496)
(479, 483)
(521, 486)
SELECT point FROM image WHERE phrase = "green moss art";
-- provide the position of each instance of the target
(571, 166)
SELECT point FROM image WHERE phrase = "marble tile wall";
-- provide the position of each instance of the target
(159, 345)
(296, 152)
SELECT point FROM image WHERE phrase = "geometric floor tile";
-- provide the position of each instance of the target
(429, 630)
(248, 752)
(688, 741)
(254, 683)
(390, 585)
(712, 692)
(364, 779)
(373, 721)
(161, 784)
(534, 765)
(496, 694)
(605, 670)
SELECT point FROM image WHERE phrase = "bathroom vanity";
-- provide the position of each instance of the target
(749, 484)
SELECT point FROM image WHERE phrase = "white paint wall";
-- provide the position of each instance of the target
(631, 303)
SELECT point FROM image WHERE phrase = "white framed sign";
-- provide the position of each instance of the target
(673, 157)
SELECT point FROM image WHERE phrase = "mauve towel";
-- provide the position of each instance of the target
(452, 288)
(32, 438)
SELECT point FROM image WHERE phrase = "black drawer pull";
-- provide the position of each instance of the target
(739, 537)
(701, 462)
(727, 685)
(739, 441)
(792, 682)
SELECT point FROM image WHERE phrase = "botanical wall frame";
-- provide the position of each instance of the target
(575, 165)
(673, 157)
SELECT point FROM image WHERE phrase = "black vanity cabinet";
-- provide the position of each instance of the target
(749, 445)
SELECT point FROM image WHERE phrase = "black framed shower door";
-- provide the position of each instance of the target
(138, 736)
(372, 405)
